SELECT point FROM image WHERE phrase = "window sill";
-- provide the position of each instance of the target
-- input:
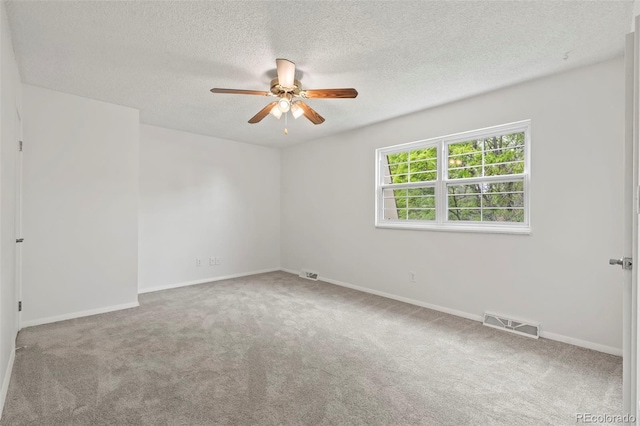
(514, 230)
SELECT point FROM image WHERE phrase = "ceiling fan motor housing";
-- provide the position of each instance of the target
(279, 90)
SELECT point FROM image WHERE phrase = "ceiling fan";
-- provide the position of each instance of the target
(290, 92)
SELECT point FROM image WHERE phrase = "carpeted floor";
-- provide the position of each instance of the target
(275, 349)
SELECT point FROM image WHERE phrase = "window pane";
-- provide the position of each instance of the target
(423, 164)
(424, 214)
(505, 161)
(503, 215)
(400, 197)
(398, 168)
(464, 202)
(493, 156)
(464, 214)
(464, 160)
(487, 202)
(423, 202)
(419, 165)
(503, 194)
(409, 204)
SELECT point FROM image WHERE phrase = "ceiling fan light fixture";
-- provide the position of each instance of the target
(296, 111)
(284, 105)
(287, 91)
(275, 111)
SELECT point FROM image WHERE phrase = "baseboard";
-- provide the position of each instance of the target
(395, 297)
(204, 281)
(544, 334)
(7, 378)
(80, 314)
(404, 299)
(581, 343)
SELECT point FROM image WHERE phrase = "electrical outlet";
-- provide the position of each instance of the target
(412, 276)
(198, 262)
(212, 261)
(216, 260)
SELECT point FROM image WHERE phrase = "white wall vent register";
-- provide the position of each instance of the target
(310, 275)
(513, 326)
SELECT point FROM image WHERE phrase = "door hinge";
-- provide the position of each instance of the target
(20, 146)
(20, 306)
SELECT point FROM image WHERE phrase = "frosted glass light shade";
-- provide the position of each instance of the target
(283, 105)
(296, 111)
(275, 111)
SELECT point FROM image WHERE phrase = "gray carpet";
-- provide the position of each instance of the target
(275, 349)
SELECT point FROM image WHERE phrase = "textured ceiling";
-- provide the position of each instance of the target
(163, 57)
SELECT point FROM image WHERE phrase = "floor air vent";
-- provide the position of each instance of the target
(513, 326)
(309, 275)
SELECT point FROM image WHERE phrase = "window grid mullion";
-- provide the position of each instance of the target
(482, 201)
(488, 179)
(486, 150)
(406, 204)
(490, 164)
(442, 201)
(483, 146)
(409, 185)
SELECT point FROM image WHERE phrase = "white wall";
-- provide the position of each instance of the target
(9, 107)
(80, 208)
(558, 275)
(203, 197)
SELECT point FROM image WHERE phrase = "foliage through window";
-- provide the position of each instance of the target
(475, 181)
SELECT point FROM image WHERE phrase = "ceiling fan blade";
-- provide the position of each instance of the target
(263, 113)
(240, 92)
(331, 93)
(310, 113)
(286, 72)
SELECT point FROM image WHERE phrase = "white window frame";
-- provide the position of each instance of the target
(441, 223)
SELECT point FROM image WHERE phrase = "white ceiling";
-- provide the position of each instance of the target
(163, 57)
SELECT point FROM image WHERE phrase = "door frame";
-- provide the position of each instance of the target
(18, 218)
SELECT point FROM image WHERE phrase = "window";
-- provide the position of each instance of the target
(472, 181)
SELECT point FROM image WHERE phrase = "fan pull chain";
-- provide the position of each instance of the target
(286, 114)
